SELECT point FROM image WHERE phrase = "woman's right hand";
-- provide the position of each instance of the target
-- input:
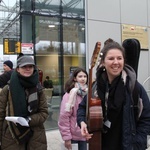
(84, 131)
(68, 145)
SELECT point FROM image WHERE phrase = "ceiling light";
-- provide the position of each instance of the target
(51, 26)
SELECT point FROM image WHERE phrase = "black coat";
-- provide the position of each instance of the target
(133, 135)
(4, 78)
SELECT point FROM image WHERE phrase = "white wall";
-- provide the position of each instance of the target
(104, 19)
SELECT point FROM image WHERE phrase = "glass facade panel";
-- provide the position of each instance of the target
(73, 8)
(48, 7)
(73, 45)
(47, 47)
(47, 37)
(56, 28)
(46, 2)
(9, 20)
(26, 5)
(66, 8)
(26, 29)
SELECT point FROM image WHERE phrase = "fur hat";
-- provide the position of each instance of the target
(9, 64)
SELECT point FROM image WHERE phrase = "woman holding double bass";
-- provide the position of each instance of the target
(126, 124)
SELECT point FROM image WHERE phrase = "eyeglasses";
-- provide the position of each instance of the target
(27, 66)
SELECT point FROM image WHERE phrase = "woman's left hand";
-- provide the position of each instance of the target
(84, 131)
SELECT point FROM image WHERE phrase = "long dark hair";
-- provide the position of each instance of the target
(71, 82)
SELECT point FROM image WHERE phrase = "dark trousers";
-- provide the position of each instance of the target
(82, 145)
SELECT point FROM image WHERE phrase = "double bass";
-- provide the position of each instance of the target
(94, 108)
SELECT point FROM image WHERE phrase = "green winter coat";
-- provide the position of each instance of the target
(38, 140)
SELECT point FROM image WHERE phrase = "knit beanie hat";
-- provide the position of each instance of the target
(9, 64)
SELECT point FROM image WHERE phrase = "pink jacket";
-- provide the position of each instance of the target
(67, 121)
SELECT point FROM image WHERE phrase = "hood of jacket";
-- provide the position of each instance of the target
(130, 73)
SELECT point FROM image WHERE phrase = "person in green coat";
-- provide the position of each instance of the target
(23, 97)
(48, 83)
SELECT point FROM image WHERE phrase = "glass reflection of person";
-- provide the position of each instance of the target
(48, 83)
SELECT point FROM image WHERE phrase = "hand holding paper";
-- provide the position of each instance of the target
(22, 121)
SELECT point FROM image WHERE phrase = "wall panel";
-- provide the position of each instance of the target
(104, 10)
(104, 19)
(134, 12)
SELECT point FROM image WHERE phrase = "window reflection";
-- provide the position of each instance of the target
(59, 38)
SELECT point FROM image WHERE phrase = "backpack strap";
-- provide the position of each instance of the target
(135, 95)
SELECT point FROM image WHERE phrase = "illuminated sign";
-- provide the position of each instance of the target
(11, 46)
(27, 48)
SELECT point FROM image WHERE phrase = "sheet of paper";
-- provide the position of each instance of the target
(22, 121)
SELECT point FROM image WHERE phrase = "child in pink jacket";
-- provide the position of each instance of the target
(76, 89)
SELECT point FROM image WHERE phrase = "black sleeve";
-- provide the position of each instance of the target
(45, 84)
(4, 78)
(143, 124)
(50, 84)
(81, 112)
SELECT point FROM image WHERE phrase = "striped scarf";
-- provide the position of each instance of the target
(77, 90)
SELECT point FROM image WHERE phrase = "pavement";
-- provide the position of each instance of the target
(54, 140)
